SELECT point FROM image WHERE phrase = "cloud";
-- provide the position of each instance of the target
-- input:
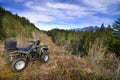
(103, 6)
(37, 17)
(58, 11)
(64, 14)
(99, 21)
(52, 26)
(69, 10)
(63, 6)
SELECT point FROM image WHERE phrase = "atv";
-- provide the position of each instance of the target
(18, 57)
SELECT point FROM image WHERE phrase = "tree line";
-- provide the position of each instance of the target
(79, 43)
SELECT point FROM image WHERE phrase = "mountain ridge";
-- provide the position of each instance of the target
(94, 28)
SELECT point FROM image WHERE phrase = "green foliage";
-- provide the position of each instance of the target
(13, 25)
(61, 36)
(2, 31)
(116, 28)
(79, 43)
(114, 42)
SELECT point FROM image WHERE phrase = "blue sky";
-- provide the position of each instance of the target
(65, 14)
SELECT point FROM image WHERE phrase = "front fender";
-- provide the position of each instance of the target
(44, 48)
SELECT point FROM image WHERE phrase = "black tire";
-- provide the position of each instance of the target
(19, 64)
(44, 57)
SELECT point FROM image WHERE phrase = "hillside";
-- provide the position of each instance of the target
(20, 29)
(61, 65)
(13, 25)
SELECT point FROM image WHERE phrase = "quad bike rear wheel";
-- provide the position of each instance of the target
(19, 64)
(9, 58)
(44, 57)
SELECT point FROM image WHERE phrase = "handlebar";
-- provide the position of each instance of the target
(37, 42)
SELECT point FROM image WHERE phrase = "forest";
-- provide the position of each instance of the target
(12, 25)
(105, 38)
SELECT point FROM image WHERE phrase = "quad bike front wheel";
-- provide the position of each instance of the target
(19, 64)
(44, 57)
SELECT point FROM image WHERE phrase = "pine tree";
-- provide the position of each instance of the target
(2, 30)
(116, 38)
(116, 27)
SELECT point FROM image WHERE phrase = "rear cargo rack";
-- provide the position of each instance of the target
(10, 45)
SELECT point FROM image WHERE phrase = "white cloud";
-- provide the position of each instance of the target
(103, 6)
(64, 6)
(97, 21)
(37, 17)
(64, 12)
(94, 21)
(79, 14)
(44, 26)
(29, 3)
(58, 11)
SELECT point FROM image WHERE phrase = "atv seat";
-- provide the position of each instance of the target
(25, 48)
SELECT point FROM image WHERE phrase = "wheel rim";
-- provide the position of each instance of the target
(46, 58)
(20, 65)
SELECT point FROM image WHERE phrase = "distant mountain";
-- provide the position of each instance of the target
(94, 28)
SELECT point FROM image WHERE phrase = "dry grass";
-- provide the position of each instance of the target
(60, 66)
(45, 40)
(97, 50)
(63, 66)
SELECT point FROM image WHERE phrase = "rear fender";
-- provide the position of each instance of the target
(21, 52)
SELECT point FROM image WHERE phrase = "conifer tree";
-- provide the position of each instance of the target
(2, 31)
(116, 38)
(116, 28)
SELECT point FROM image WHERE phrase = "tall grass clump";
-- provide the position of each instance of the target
(97, 51)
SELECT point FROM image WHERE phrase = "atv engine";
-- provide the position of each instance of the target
(33, 55)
